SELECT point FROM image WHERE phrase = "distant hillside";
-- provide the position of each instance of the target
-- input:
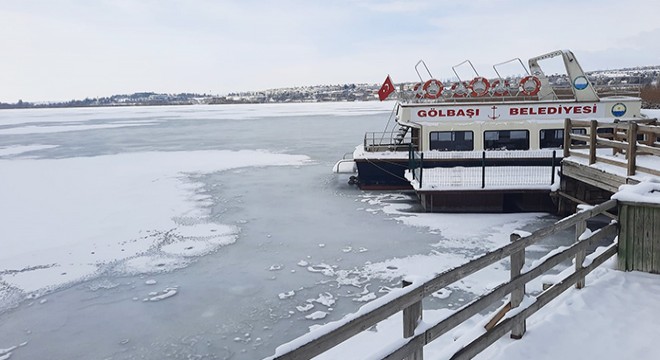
(645, 78)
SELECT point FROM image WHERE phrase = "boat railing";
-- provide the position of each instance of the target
(562, 89)
(415, 163)
(484, 169)
(408, 94)
(387, 141)
(618, 84)
(604, 90)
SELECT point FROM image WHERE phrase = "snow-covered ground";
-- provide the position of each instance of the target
(614, 317)
(210, 231)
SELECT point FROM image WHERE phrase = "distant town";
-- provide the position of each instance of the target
(647, 78)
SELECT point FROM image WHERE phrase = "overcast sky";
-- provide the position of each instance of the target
(72, 49)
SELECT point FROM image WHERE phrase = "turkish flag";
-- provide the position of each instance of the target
(386, 89)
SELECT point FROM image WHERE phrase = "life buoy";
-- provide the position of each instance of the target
(479, 86)
(433, 89)
(528, 90)
(459, 89)
(417, 89)
(500, 89)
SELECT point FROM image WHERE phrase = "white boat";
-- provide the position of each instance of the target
(510, 123)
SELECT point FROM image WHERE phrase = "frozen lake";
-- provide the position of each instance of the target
(207, 232)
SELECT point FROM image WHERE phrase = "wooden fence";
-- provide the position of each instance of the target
(619, 140)
(639, 237)
(410, 301)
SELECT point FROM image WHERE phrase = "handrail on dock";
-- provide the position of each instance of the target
(409, 299)
(631, 138)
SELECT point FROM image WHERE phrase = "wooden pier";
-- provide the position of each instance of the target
(597, 164)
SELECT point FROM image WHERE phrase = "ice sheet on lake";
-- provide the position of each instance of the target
(45, 118)
(486, 231)
(66, 220)
(31, 129)
(20, 149)
(455, 247)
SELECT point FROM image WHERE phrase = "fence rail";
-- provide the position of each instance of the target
(409, 299)
(628, 138)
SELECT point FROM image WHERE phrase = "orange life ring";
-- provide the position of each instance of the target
(500, 90)
(433, 89)
(528, 91)
(479, 86)
(417, 90)
(461, 91)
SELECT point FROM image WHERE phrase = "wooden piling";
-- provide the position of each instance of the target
(639, 237)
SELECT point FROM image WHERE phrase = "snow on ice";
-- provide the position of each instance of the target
(91, 212)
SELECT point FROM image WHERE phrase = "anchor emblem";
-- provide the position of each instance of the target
(494, 116)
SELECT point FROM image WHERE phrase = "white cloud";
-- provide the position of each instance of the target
(396, 6)
(74, 49)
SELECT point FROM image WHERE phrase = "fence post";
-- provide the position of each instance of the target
(632, 148)
(517, 262)
(593, 131)
(615, 137)
(412, 315)
(568, 130)
(580, 227)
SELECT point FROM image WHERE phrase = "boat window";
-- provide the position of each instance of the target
(554, 138)
(506, 140)
(451, 140)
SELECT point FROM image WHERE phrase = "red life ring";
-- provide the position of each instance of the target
(528, 91)
(479, 86)
(417, 90)
(500, 90)
(433, 89)
(460, 89)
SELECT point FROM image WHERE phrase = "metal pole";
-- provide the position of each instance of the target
(554, 157)
(483, 169)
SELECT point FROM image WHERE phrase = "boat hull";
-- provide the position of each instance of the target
(382, 174)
